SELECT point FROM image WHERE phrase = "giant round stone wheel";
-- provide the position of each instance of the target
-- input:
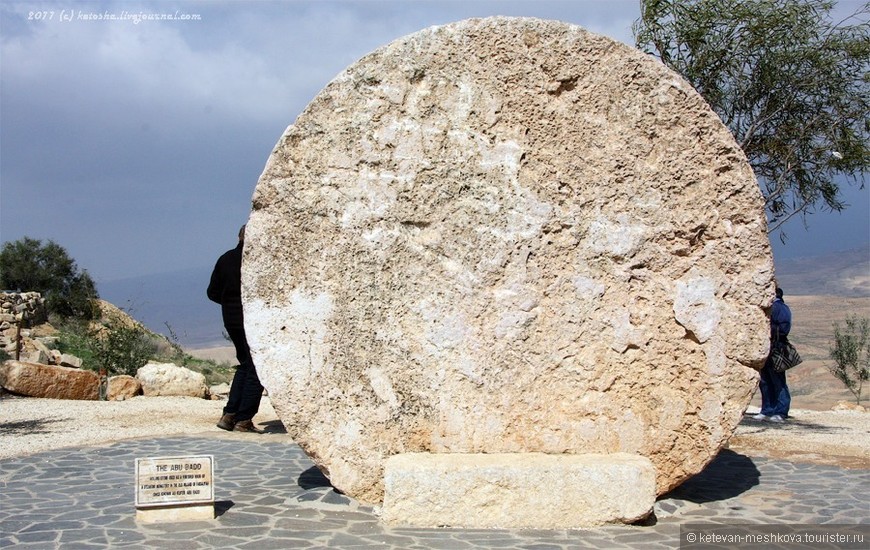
(507, 235)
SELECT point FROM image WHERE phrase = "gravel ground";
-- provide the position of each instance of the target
(30, 425)
(839, 438)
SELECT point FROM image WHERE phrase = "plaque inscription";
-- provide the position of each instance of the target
(169, 481)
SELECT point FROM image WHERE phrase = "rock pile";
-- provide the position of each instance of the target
(19, 310)
(15, 306)
(56, 382)
(507, 235)
(43, 371)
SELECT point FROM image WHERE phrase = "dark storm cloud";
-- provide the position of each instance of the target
(137, 146)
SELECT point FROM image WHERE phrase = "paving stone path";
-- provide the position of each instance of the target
(269, 495)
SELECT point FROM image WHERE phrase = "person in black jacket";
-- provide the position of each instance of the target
(225, 288)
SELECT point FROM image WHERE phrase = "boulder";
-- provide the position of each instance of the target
(38, 380)
(69, 360)
(122, 387)
(848, 406)
(34, 351)
(170, 379)
(36, 356)
(50, 342)
(507, 235)
(219, 392)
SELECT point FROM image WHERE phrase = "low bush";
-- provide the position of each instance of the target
(851, 354)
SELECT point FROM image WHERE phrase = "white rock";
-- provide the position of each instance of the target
(507, 235)
(36, 356)
(219, 391)
(68, 360)
(170, 379)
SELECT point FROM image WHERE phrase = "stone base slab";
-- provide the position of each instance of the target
(171, 514)
(523, 490)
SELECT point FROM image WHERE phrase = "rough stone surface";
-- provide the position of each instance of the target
(520, 491)
(122, 387)
(848, 406)
(170, 379)
(36, 356)
(69, 360)
(37, 380)
(219, 392)
(503, 236)
(19, 306)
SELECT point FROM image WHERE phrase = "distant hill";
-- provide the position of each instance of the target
(844, 274)
(178, 297)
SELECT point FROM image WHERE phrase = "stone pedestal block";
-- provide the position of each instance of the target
(176, 514)
(521, 491)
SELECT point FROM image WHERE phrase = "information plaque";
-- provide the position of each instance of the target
(174, 483)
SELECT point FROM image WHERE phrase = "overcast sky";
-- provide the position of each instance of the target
(136, 145)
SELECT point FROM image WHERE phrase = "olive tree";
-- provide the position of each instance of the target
(851, 354)
(29, 265)
(789, 81)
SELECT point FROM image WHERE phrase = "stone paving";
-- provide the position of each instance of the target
(269, 495)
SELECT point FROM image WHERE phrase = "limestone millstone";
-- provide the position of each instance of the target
(507, 235)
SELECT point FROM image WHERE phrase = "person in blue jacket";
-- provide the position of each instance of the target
(775, 397)
(225, 288)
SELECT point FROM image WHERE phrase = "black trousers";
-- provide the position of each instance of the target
(245, 390)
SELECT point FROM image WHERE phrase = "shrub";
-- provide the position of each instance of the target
(120, 347)
(851, 354)
(113, 344)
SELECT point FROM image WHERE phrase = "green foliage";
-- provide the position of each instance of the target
(113, 344)
(791, 84)
(29, 265)
(73, 339)
(851, 354)
(116, 342)
(121, 347)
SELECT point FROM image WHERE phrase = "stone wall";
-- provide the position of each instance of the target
(17, 305)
